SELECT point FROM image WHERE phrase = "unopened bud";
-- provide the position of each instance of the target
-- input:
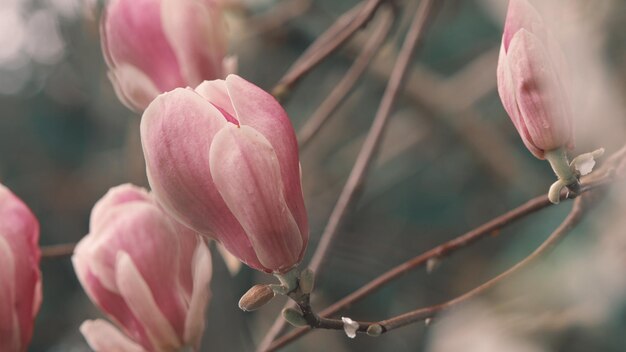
(307, 281)
(294, 317)
(374, 330)
(256, 297)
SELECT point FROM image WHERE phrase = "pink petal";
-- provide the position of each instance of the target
(247, 174)
(507, 92)
(543, 105)
(216, 93)
(258, 109)
(9, 324)
(20, 229)
(176, 132)
(189, 241)
(521, 14)
(132, 34)
(104, 337)
(110, 302)
(157, 258)
(201, 270)
(114, 197)
(197, 34)
(132, 87)
(138, 296)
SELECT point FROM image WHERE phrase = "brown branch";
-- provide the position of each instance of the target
(606, 174)
(572, 219)
(343, 88)
(368, 150)
(337, 34)
(421, 314)
(57, 250)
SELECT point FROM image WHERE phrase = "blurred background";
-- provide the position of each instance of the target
(450, 161)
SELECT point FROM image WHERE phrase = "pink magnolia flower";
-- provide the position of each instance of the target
(154, 46)
(20, 277)
(532, 81)
(149, 274)
(223, 160)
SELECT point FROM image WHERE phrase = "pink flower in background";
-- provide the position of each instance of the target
(533, 82)
(223, 160)
(20, 277)
(149, 274)
(154, 46)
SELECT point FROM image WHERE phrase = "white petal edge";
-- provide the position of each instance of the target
(102, 336)
(132, 87)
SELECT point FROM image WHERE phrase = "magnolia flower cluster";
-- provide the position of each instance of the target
(222, 162)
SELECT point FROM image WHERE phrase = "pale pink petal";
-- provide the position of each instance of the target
(141, 230)
(230, 65)
(132, 34)
(258, 109)
(9, 324)
(247, 174)
(196, 32)
(201, 270)
(114, 197)
(142, 303)
(189, 241)
(133, 88)
(111, 303)
(542, 102)
(232, 263)
(521, 14)
(104, 337)
(506, 90)
(216, 93)
(176, 132)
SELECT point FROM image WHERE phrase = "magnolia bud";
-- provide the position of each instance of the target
(223, 160)
(533, 81)
(294, 317)
(256, 297)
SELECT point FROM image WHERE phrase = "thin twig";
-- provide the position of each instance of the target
(601, 177)
(367, 152)
(337, 34)
(421, 314)
(343, 88)
(572, 219)
(57, 250)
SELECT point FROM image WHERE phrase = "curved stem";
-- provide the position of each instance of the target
(561, 166)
